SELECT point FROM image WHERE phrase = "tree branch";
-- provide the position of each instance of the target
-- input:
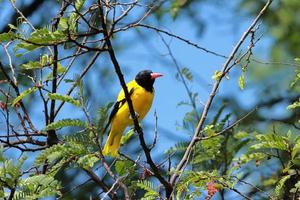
(197, 133)
(98, 181)
(52, 137)
(26, 11)
(131, 109)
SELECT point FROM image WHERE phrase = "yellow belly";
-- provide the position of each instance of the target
(141, 100)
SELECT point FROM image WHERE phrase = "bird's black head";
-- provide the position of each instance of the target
(146, 79)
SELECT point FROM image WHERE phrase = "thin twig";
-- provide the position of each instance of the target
(179, 71)
(228, 127)
(176, 37)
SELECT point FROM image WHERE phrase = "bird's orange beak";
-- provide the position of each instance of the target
(155, 75)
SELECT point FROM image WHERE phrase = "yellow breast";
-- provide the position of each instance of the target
(141, 100)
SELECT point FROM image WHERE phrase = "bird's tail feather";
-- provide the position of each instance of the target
(112, 144)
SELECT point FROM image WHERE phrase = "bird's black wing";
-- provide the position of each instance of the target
(115, 109)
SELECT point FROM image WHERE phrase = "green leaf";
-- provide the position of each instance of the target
(31, 65)
(66, 98)
(79, 4)
(179, 147)
(82, 137)
(41, 38)
(64, 123)
(69, 80)
(241, 135)
(10, 170)
(187, 73)
(176, 6)
(295, 149)
(63, 23)
(242, 81)
(102, 115)
(26, 46)
(210, 147)
(296, 79)
(294, 105)
(245, 158)
(280, 184)
(44, 59)
(88, 161)
(271, 141)
(69, 24)
(148, 186)
(72, 21)
(123, 166)
(2, 158)
(297, 185)
(127, 136)
(60, 70)
(6, 37)
(23, 94)
(38, 186)
(197, 181)
(60, 153)
(50, 154)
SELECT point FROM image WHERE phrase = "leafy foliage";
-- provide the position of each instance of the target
(102, 114)
(41, 38)
(31, 65)
(23, 94)
(187, 74)
(294, 105)
(148, 186)
(38, 186)
(263, 149)
(33, 187)
(64, 123)
(5, 37)
(127, 136)
(194, 182)
(10, 172)
(87, 161)
(124, 167)
(176, 6)
(66, 98)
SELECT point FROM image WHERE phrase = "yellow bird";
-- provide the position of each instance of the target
(141, 93)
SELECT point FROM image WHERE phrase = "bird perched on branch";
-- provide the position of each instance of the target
(141, 92)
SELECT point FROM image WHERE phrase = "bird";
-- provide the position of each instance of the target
(141, 92)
